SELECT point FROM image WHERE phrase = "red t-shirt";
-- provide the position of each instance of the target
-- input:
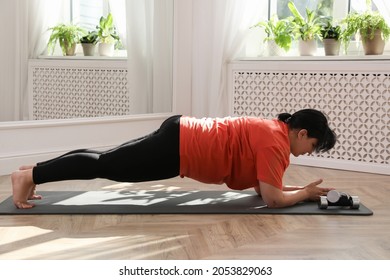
(238, 151)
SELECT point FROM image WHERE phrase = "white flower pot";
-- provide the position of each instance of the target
(274, 49)
(106, 49)
(307, 48)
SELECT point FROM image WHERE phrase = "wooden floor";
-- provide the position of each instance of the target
(164, 237)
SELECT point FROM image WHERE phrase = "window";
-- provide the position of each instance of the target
(337, 9)
(87, 13)
(324, 7)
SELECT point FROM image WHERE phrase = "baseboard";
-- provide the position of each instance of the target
(341, 164)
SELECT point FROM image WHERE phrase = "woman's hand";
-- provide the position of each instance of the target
(314, 191)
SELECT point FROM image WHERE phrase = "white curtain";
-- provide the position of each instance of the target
(382, 5)
(220, 28)
(163, 56)
(117, 8)
(8, 58)
(149, 49)
(26, 23)
(384, 8)
(41, 15)
(359, 6)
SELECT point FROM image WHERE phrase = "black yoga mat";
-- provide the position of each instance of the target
(164, 202)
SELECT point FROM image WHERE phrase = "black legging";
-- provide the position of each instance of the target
(152, 157)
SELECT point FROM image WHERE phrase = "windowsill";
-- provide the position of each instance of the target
(354, 53)
(57, 55)
(82, 57)
(316, 58)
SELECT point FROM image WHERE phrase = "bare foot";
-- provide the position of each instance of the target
(33, 194)
(22, 188)
(26, 167)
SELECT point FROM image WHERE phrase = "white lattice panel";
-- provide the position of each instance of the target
(357, 103)
(81, 89)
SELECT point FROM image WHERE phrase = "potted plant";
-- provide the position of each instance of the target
(107, 35)
(371, 26)
(88, 42)
(307, 29)
(279, 35)
(331, 34)
(67, 36)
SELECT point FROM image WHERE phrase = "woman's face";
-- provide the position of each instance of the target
(301, 143)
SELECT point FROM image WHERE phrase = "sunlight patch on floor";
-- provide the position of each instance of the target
(17, 234)
(118, 186)
(56, 247)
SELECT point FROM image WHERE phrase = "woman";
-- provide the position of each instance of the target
(242, 152)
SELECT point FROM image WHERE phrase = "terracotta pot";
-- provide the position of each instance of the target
(70, 50)
(331, 46)
(374, 46)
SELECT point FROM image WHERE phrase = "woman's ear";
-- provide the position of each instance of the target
(302, 133)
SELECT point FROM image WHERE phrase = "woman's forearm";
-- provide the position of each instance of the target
(292, 188)
(276, 198)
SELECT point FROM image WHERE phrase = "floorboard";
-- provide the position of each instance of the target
(190, 237)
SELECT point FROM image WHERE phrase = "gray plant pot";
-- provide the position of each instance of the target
(88, 49)
(331, 46)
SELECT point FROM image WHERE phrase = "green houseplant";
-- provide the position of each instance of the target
(331, 37)
(107, 35)
(88, 42)
(67, 36)
(371, 26)
(307, 29)
(279, 34)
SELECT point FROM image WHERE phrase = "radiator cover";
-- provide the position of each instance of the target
(356, 100)
(62, 89)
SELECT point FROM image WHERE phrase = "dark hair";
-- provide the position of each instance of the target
(316, 124)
